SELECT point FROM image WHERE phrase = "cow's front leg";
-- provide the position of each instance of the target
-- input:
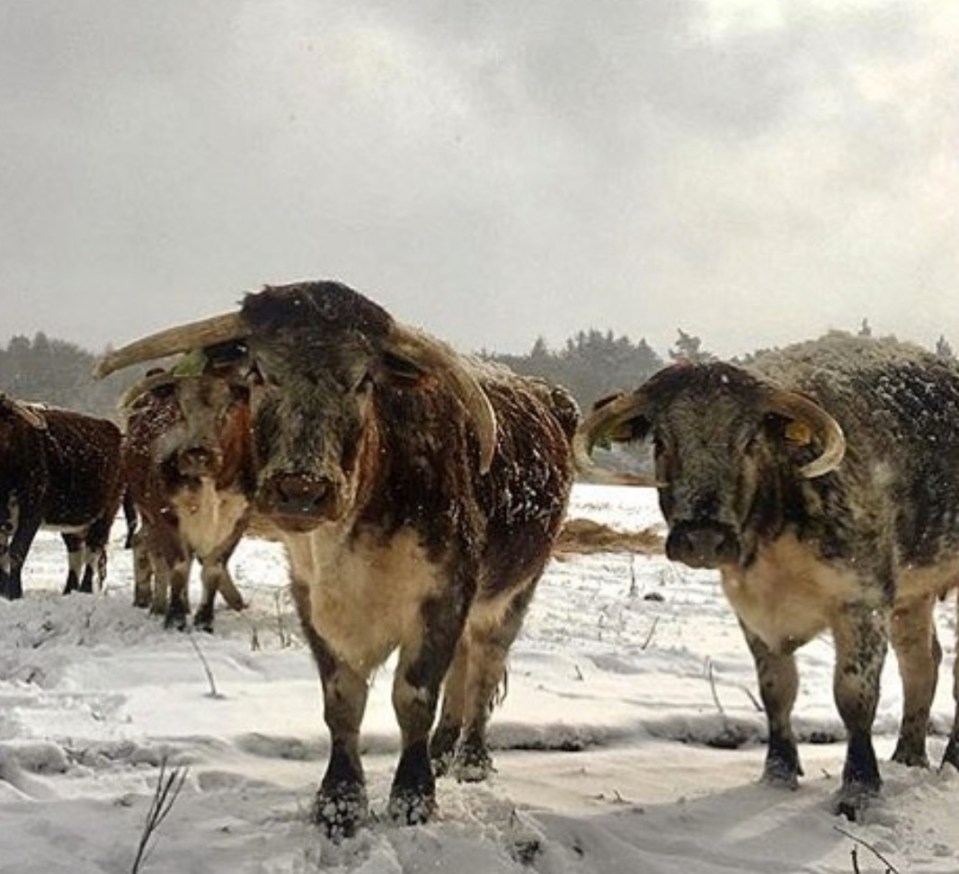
(27, 528)
(423, 663)
(341, 804)
(179, 607)
(859, 631)
(918, 654)
(143, 572)
(778, 685)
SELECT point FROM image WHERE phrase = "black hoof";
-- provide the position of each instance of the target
(340, 812)
(853, 801)
(442, 750)
(176, 621)
(472, 765)
(411, 808)
(910, 756)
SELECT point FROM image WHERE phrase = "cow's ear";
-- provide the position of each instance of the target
(395, 367)
(636, 428)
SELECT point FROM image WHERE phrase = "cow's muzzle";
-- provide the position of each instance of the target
(705, 544)
(199, 461)
(300, 501)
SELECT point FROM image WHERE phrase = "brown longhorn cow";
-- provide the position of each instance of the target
(60, 470)
(418, 493)
(822, 482)
(188, 463)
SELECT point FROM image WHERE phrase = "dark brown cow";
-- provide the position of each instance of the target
(418, 494)
(188, 462)
(61, 470)
(823, 484)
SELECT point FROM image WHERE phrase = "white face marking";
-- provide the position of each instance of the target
(207, 516)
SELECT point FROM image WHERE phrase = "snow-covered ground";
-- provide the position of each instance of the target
(630, 740)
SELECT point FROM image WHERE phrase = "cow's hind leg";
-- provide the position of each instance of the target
(76, 555)
(341, 804)
(918, 654)
(423, 663)
(95, 557)
(143, 572)
(778, 685)
(491, 629)
(859, 632)
(447, 733)
(951, 755)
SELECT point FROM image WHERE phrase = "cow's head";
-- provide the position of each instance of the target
(322, 354)
(202, 420)
(725, 441)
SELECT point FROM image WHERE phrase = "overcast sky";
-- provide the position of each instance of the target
(753, 171)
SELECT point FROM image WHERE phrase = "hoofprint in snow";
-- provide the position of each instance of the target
(629, 741)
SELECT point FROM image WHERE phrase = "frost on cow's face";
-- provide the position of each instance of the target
(718, 452)
(312, 425)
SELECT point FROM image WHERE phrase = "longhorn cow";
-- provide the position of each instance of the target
(188, 463)
(418, 493)
(60, 470)
(822, 482)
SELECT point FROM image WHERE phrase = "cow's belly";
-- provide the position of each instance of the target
(919, 583)
(788, 596)
(365, 600)
(208, 517)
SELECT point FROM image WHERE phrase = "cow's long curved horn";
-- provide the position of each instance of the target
(148, 383)
(27, 413)
(206, 332)
(594, 427)
(437, 357)
(824, 427)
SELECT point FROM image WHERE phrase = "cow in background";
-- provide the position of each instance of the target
(418, 493)
(60, 470)
(822, 482)
(187, 460)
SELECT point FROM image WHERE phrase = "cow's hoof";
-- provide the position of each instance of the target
(781, 775)
(203, 622)
(852, 801)
(176, 621)
(951, 755)
(340, 812)
(472, 764)
(411, 808)
(910, 756)
(442, 750)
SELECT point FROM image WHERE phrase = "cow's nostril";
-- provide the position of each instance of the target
(198, 454)
(300, 491)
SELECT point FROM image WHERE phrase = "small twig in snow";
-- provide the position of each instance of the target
(712, 685)
(890, 868)
(633, 589)
(206, 667)
(164, 797)
(579, 673)
(756, 702)
(652, 631)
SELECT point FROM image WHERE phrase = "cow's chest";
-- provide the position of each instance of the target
(366, 598)
(207, 516)
(788, 595)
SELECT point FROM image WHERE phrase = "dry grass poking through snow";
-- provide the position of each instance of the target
(585, 537)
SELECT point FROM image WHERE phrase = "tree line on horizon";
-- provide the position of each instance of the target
(592, 364)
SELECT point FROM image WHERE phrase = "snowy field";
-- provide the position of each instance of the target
(629, 741)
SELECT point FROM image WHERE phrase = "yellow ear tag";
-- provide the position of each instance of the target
(797, 432)
(191, 364)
